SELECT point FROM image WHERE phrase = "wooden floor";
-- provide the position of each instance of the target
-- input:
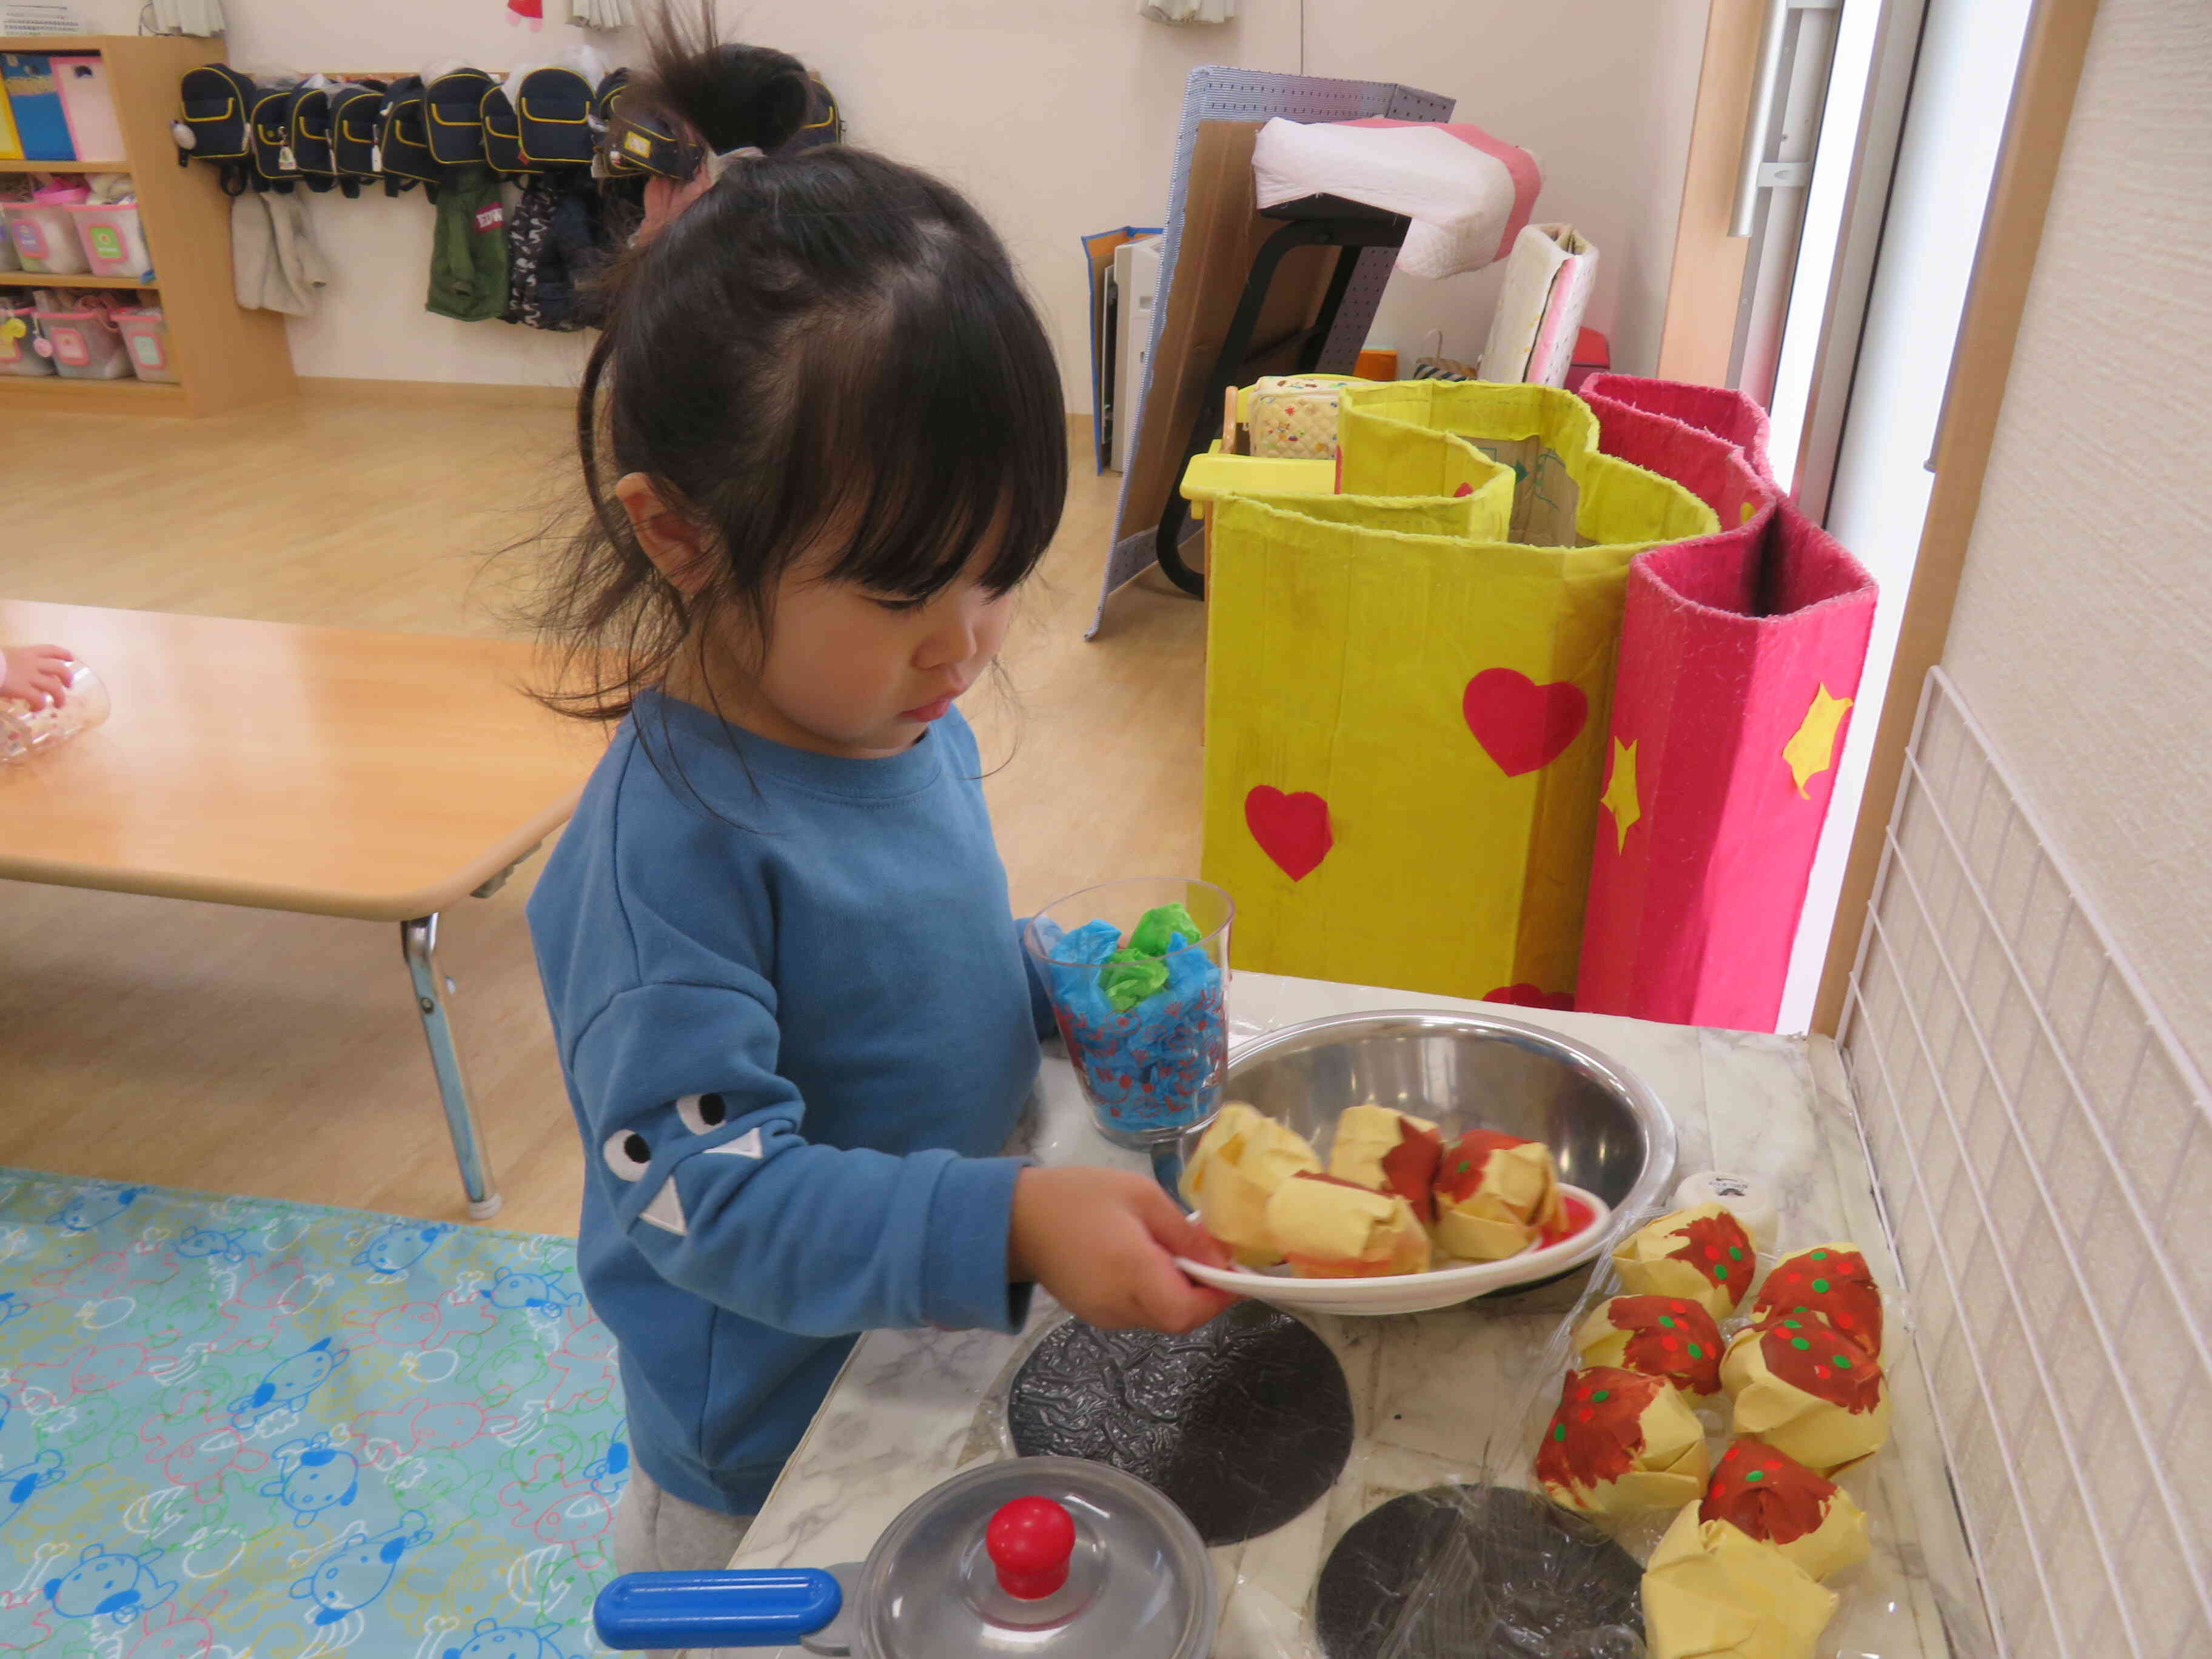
(256, 1052)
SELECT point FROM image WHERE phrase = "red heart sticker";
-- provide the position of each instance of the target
(1292, 830)
(1521, 725)
(1532, 996)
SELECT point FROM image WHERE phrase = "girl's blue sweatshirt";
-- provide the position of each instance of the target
(795, 1023)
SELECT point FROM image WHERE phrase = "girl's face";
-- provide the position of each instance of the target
(845, 671)
(849, 672)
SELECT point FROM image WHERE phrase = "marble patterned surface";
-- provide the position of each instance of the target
(1436, 1396)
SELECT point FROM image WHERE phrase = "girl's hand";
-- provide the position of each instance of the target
(37, 674)
(1103, 1243)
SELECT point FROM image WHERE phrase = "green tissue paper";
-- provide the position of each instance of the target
(1129, 976)
(1163, 930)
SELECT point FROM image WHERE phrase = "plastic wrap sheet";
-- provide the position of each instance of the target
(1499, 1583)
(1432, 1541)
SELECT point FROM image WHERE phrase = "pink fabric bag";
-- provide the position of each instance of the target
(1740, 654)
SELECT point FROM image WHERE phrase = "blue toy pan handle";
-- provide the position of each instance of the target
(769, 1609)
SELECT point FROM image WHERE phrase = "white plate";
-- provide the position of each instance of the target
(1405, 1293)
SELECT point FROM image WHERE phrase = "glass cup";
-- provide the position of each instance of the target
(1148, 1033)
(25, 730)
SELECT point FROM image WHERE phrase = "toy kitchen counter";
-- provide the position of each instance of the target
(1434, 1398)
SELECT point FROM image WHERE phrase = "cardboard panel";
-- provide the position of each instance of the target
(1222, 92)
(1222, 232)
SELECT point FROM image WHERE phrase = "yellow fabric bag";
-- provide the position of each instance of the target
(1408, 698)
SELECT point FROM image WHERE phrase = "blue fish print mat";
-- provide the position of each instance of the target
(233, 1426)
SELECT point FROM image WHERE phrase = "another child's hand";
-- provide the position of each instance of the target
(37, 674)
(1103, 1243)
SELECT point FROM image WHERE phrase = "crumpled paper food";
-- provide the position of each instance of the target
(1702, 1254)
(1239, 1162)
(1622, 1443)
(1388, 1152)
(1809, 1390)
(1330, 1229)
(1495, 1194)
(1772, 1496)
(1711, 1591)
(1832, 1280)
(1662, 1336)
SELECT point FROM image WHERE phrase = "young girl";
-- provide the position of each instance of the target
(823, 443)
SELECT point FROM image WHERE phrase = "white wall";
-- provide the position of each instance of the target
(1059, 118)
(1602, 92)
(2082, 637)
(371, 324)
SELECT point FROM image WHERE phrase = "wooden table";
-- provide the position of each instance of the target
(378, 776)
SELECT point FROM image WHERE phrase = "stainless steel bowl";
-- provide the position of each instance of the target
(1606, 1128)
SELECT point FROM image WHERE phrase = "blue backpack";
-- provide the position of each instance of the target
(215, 123)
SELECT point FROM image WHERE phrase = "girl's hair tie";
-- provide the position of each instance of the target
(715, 166)
(667, 195)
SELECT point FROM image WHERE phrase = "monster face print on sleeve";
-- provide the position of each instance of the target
(627, 1152)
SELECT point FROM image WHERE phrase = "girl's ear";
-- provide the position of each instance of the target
(672, 541)
(665, 198)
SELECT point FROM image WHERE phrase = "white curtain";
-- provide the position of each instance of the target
(1187, 11)
(188, 16)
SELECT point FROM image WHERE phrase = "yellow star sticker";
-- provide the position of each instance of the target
(1812, 749)
(1619, 797)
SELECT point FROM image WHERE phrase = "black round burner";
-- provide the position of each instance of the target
(1530, 1581)
(1243, 1423)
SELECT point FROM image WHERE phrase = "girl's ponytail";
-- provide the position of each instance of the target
(699, 105)
(821, 358)
(728, 97)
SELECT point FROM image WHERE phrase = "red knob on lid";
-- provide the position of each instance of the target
(1029, 1542)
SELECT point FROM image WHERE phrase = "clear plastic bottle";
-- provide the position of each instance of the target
(25, 730)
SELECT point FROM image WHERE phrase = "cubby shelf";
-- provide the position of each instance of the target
(35, 279)
(226, 355)
(10, 164)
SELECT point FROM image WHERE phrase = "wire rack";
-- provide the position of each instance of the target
(2042, 1149)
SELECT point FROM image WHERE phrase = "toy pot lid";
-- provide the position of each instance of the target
(1037, 1556)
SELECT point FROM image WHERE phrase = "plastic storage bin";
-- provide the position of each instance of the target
(45, 238)
(114, 242)
(86, 344)
(146, 337)
(18, 352)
